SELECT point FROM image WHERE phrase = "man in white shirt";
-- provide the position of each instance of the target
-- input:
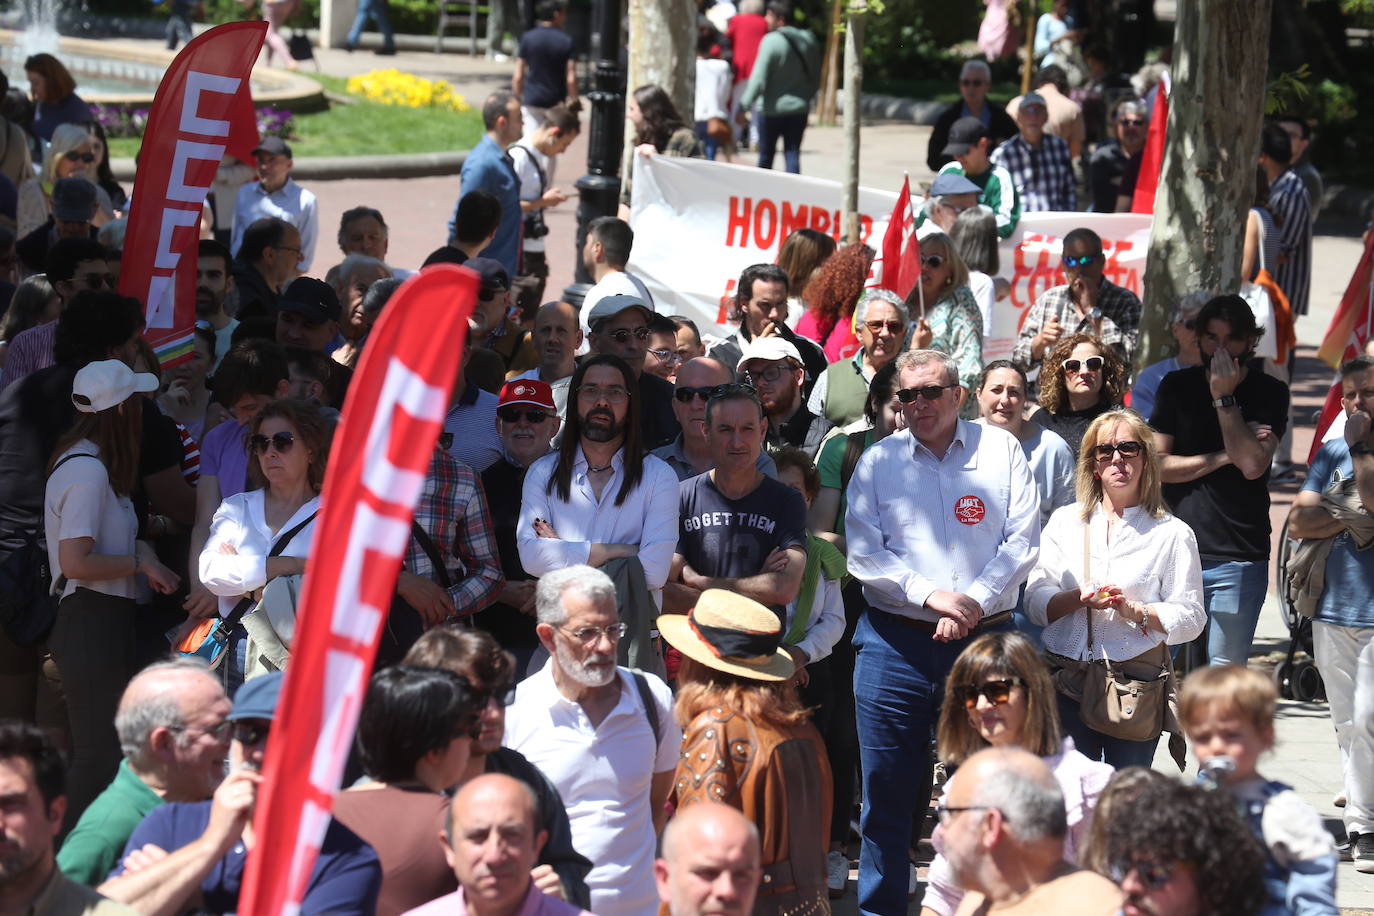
(604, 255)
(943, 527)
(535, 156)
(275, 194)
(585, 723)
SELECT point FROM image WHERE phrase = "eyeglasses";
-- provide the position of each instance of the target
(74, 156)
(665, 356)
(892, 327)
(251, 734)
(1082, 260)
(504, 695)
(281, 442)
(1091, 364)
(611, 394)
(945, 812)
(686, 394)
(620, 335)
(1128, 449)
(934, 261)
(1151, 874)
(513, 415)
(590, 635)
(768, 373)
(218, 732)
(929, 392)
(997, 692)
(1131, 122)
(96, 281)
(299, 253)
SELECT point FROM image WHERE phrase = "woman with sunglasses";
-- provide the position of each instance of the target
(288, 446)
(70, 155)
(951, 321)
(1118, 576)
(999, 694)
(1082, 379)
(415, 736)
(104, 175)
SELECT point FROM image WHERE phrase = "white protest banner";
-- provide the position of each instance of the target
(1030, 261)
(698, 224)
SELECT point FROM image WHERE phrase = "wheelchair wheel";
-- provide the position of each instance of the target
(1283, 678)
(1306, 682)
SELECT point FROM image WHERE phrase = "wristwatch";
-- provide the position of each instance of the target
(1361, 448)
(1095, 314)
(1226, 400)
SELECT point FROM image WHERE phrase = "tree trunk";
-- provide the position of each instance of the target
(1207, 182)
(830, 71)
(853, 117)
(663, 52)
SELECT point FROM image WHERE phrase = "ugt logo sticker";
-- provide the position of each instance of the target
(969, 510)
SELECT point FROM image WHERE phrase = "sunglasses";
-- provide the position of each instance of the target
(513, 414)
(250, 734)
(1082, 260)
(504, 696)
(282, 442)
(998, 692)
(929, 392)
(934, 261)
(621, 335)
(1151, 874)
(1128, 449)
(892, 327)
(1091, 364)
(1131, 122)
(686, 394)
(944, 813)
(74, 156)
(96, 281)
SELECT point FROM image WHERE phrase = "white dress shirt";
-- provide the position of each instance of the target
(290, 202)
(241, 522)
(966, 523)
(604, 774)
(648, 517)
(826, 624)
(1153, 561)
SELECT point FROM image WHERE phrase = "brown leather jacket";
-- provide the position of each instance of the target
(780, 779)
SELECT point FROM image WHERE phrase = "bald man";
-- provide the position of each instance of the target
(710, 862)
(174, 734)
(556, 339)
(689, 454)
(492, 841)
(1004, 824)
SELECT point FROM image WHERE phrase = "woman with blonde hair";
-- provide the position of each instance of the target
(1118, 578)
(999, 694)
(70, 155)
(1081, 379)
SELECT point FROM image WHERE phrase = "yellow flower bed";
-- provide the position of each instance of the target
(392, 87)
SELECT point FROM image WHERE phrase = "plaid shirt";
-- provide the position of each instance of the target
(1120, 319)
(453, 512)
(1043, 177)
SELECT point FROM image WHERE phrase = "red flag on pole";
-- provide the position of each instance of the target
(1350, 330)
(380, 455)
(1152, 158)
(898, 266)
(197, 114)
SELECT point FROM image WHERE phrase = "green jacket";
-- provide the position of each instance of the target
(999, 195)
(786, 73)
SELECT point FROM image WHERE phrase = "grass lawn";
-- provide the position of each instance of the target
(935, 90)
(367, 128)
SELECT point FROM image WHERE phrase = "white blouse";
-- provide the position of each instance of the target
(241, 522)
(1152, 560)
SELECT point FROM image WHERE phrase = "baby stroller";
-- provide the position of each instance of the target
(1296, 677)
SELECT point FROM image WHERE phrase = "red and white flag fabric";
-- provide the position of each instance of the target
(1350, 330)
(197, 115)
(378, 461)
(1152, 159)
(898, 265)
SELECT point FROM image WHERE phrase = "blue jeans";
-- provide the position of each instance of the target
(375, 10)
(790, 128)
(899, 681)
(1233, 593)
(1096, 746)
(707, 142)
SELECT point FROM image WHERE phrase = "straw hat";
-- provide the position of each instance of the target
(730, 633)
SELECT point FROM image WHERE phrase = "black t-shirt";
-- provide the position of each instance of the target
(1070, 424)
(1228, 514)
(731, 538)
(545, 51)
(657, 423)
(504, 483)
(1112, 173)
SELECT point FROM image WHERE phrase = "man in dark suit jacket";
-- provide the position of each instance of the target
(974, 81)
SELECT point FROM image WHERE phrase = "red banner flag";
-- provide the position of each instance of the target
(1350, 330)
(380, 455)
(898, 265)
(1152, 159)
(195, 116)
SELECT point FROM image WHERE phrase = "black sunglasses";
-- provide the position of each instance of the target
(997, 692)
(1128, 449)
(929, 392)
(250, 734)
(1151, 874)
(513, 414)
(685, 394)
(504, 696)
(282, 442)
(74, 156)
(933, 261)
(620, 335)
(1092, 364)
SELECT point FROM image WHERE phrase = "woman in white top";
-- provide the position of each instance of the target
(1135, 570)
(288, 442)
(92, 544)
(71, 155)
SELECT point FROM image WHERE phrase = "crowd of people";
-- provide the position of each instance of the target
(678, 600)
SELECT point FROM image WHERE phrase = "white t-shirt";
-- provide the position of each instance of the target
(80, 503)
(985, 294)
(528, 161)
(714, 82)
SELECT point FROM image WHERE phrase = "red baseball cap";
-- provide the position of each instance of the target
(527, 391)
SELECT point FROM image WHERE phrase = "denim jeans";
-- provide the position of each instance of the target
(899, 681)
(1233, 593)
(375, 10)
(790, 128)
(1096, 746)
(707, 141)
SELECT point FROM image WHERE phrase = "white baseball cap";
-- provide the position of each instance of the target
(108, 383)
(770, 348)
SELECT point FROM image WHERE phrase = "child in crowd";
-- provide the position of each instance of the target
(1228, 714)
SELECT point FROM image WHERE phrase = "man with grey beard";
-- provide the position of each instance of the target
(603, 734)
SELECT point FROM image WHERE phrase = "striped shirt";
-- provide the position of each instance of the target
(29, 351)
(1293, 212)
(1043, 175)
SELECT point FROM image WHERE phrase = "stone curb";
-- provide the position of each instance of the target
(333, 168)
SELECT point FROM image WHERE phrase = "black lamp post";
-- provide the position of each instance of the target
(599, 190)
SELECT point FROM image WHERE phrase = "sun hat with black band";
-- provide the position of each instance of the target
(730, 633)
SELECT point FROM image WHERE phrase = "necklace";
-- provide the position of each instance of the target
(593, 469)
